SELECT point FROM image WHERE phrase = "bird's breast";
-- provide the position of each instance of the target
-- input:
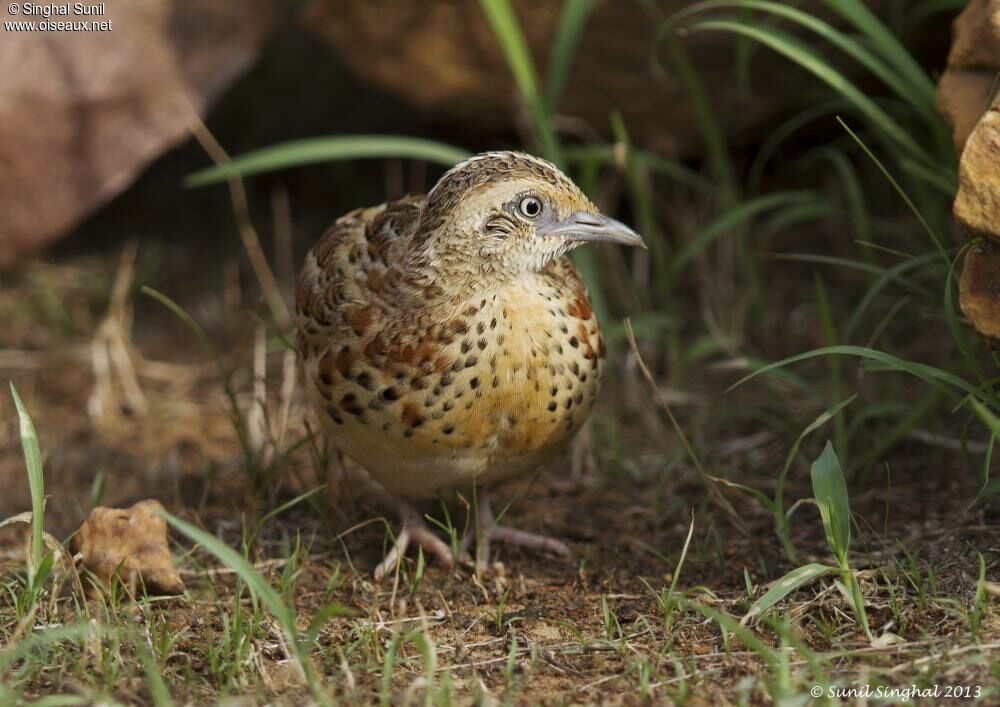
(483, 388)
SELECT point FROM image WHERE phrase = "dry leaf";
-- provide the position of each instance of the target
(132, 543)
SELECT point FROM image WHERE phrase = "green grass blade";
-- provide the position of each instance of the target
(769, 147)
(899, 190)
(852, 592)
(246, 571)
(988, 485)
(986, 416)
(507, 30)
(158, 690)
(830, 492)
(779, 493)
(908, 418)
(721, 168)
(798, 577)
(936, 377)
(36, 483)
(730, 220)
(328, 149)
(893, 274)
(818, 209)
(80, 630)
(604, 155)
(813, 62)
(571, 23)
(731, 625)
(944, 181)
(282, 612)
(853, 191)
(959, 332)
(642, 206)
(893, 51)
(922, 102)
(924, 11)
(829, 329)
(234, 404)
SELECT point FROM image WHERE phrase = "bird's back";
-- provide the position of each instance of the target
(427, 390)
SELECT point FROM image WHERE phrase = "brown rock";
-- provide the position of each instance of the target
(977, 204)
(980, 288)
(82, 113)
(975, 37)
(964, 99)
(132, 543)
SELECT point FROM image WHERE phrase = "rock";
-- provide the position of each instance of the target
(979, 288)
(444, 58)
(132, 543)
(964, 99)
(977, 204)
(82, 113)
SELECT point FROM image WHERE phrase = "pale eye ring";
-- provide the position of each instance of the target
(530, 206)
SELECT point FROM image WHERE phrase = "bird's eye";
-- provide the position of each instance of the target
(530, 206)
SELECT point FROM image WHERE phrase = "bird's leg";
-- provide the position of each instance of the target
(485, 529)
(413, 530)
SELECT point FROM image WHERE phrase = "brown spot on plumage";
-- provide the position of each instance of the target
(326, 368)
(442, 364)
(580, 308)
(410, 415)
(345, 359)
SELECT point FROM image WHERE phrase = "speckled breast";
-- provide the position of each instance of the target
(484, 390)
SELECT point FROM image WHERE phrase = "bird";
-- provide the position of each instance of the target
(447, 342)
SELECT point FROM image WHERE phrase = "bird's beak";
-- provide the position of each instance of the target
(587, 226)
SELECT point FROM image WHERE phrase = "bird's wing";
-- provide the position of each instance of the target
(353, 277)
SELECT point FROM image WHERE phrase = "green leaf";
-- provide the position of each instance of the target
(798, 577)
(328, 149)
(779, 493)
(36, 483)
(830, 492)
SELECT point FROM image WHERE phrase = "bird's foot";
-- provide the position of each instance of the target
(413, 531)
(485, 529)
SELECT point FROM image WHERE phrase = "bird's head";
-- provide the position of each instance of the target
(499, 215)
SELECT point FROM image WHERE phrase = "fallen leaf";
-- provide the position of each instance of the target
(130, 543)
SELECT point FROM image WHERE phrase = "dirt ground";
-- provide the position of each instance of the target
(599, 629)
